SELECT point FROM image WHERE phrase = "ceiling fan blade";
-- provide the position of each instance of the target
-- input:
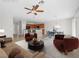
(35, 7)
(39, 10)
(41, 2)
(27, 8)
(28, 12)
(35, 13)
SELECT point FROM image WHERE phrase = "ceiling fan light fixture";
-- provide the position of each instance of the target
(35, 8)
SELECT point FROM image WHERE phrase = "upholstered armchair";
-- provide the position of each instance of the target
(28, 37)
(66, 44)
(58, 42)
(70, 44)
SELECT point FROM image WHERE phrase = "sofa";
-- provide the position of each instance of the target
(65, 43)
(12, 50)
(5, 40)
(3, 54)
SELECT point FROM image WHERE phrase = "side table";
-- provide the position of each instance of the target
(2, 42)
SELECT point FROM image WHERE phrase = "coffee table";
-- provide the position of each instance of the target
(36, 47)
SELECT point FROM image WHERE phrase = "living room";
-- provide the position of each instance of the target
(24, 23)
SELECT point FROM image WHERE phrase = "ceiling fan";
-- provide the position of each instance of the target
(41, 2)
(34, 9)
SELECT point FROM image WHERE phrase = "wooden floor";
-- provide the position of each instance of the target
(18, 38)
(21, 37)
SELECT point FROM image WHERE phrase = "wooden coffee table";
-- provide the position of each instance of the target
(36, 47)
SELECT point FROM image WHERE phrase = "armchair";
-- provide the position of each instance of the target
(28, 37)
(66, 44)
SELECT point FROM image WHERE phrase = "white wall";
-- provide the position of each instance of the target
(23, 27)
(74, 27)
(77, 27)
(7, 25)
(66, 25)
(6, 20)
(17, 26)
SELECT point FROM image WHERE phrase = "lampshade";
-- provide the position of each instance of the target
(2, 32)
(57, 26)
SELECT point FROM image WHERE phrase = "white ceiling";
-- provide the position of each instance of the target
(54, 9)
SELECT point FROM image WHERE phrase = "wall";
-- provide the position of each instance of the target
(74, 27)
(66, 25)
(77, 27)
(17, 26)
(7, 25)
(6, 21)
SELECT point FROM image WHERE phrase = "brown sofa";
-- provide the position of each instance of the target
(3, 54)
(65, 44)
(12, 50)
